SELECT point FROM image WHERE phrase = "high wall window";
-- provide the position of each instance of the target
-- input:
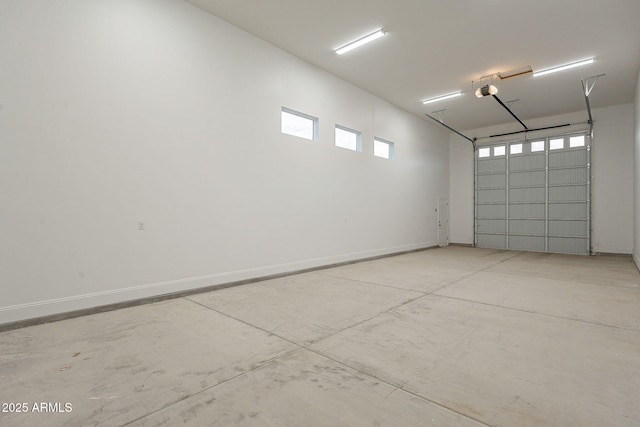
(382, 148)
(299, 124)
(348, 138)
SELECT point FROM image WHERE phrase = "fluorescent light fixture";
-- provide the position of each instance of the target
(563, 67)
(440, 98)
(362, 41)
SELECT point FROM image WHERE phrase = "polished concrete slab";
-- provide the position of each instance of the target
(306, 307)
(503, 367)
(581, 301)
(600, 270)
(305, 389)
(446, 337)
(404, 272)
(117, 366)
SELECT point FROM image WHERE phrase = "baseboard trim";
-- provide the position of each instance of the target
(636, 260)
(613, 254)
(39, 312)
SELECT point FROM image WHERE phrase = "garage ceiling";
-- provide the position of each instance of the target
(437, 47)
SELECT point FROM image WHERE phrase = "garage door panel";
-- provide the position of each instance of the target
(493, 165)
(491, 241)
(577, 228)
(568, 158)
(491, 225)
(568, 210)
(527, 162)
(492, 181)
(527, 194)
(568, 245)
(520, 179)
(568, 176)
(527, 226)
(527, 243)
(491, 211)
(491, 196)
(527, 210)
(574, 193)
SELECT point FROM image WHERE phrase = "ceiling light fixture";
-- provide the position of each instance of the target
(563, 67)
(486, 90)
(361, 41)
(442, 97)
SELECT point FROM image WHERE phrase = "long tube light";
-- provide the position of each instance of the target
(440, 98)
(361, 41)
(563, 67)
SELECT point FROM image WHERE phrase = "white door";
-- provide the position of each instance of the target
(443, 221)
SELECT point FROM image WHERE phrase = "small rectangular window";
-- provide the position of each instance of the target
(484, 152)
(299, 124)
(348, 138)
(499, 150)
(576, 141)
(537, 146)
(515, 149)
(382, 148)
(556, 144)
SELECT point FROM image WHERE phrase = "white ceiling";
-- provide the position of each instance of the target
(437, 47)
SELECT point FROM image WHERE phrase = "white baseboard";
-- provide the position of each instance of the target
(36, 309)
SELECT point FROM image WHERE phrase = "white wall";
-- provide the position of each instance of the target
(461, 190)
(612, 191)
(127, 111)
(636, 178)
(613, 179)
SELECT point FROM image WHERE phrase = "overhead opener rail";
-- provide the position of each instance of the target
(510, 112)
(587, 86)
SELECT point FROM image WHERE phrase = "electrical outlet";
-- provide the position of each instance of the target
(141, 226)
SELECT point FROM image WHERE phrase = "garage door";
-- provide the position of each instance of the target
(534, 195)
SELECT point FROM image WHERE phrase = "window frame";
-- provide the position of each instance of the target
(542, 150)
(358, 135)
(555, 139)
(482, 150)
(520, 146)
(390, 144)
(314, 121)
(583, 139)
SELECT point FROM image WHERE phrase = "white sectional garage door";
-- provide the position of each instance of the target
(534, 195)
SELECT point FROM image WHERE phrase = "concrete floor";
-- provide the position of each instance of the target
(444, 337)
